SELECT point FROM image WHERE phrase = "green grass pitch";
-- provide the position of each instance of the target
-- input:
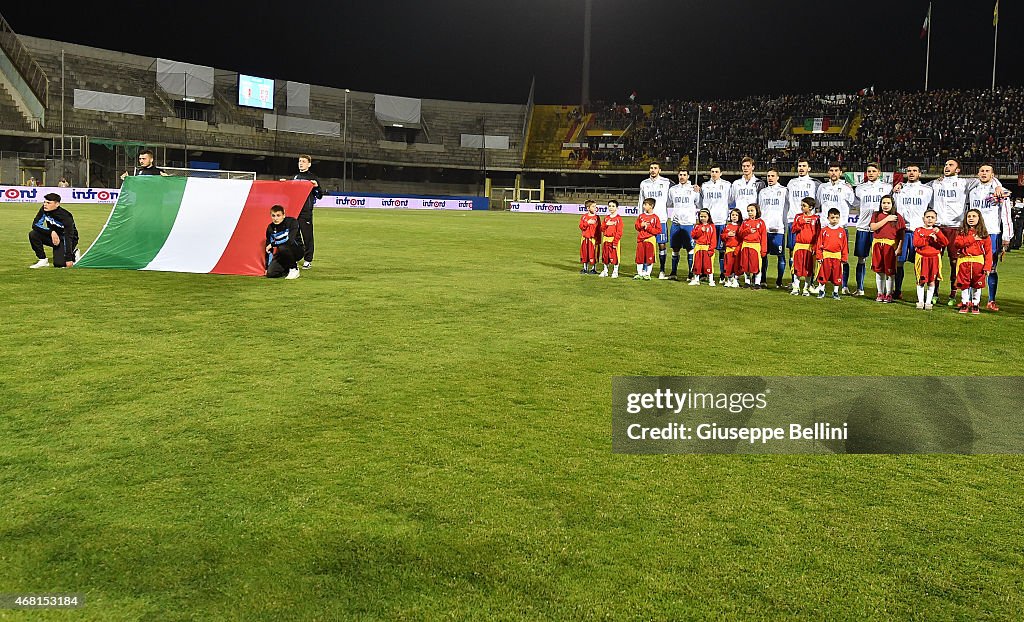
(419, 428)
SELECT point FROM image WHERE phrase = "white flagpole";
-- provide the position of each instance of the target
(995, 47)
(63, 171)
(696, 168)
(928, 54)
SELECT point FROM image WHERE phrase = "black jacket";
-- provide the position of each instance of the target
(59, 220)
(285, 234)
(314, 194)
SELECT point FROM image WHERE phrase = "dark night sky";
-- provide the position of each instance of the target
(488, 51)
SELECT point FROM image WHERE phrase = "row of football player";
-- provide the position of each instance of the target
(818, 254)
(950, 196)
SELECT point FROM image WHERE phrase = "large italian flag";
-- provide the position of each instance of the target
(192, 224)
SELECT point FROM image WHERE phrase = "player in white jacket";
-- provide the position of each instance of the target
(993, 201)
(869, 195)
(714, 196)
(683, 202)
(836, 193)
(744, 190)
(949, 200)
(912, 199)
(773, 200)
(799, 188)
(656, 187)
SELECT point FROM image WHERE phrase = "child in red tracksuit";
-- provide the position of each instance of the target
(832, 251)
(611, 233)
(753, 235)
(973, 260)
(889, 229)
(705, 239)
(731, 242)
(589, 224)
(648, 226)
(928, 244)
(806, 227)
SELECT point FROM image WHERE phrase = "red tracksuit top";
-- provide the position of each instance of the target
(925, 245)
(705, 234)
(754, 230)
(967, 246)
(890, 230)
(833, 241)
(806, 229)
(731, 241)
(588, 225)
(611, 229)
(653, 226)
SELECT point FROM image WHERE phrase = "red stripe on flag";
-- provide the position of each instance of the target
(245, 251)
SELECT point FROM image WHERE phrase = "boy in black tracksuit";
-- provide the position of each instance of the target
(306, 215)
(54, 226)
(283, 245)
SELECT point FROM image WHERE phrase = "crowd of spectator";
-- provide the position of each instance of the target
(615, 116)
(895, 127)
(978, 125)
(729, 129)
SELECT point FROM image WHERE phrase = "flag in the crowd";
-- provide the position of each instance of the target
(867, 90)
(855, 179)
(927, 19)
(995, 14)
(192, 224)
(816, 124)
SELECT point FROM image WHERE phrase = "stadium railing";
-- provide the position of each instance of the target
(23, 61)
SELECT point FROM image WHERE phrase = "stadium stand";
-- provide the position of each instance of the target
(607, 138)
(550, 127)
(730, 129)
(10, 119)
(219, 125)
(972, 126)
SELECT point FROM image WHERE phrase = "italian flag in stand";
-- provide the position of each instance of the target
(192, 224)
(816, 124)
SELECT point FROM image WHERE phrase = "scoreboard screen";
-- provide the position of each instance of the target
(255, 92)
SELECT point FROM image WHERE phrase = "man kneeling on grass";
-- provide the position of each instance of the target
(283, 246)
(54, 226)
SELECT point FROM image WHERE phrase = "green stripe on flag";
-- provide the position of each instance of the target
(139, 225)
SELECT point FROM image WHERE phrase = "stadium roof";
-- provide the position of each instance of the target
(483, 51)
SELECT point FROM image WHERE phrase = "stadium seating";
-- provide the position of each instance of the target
(11, 118)
(973, 126)
(969, 125)
(224, 126)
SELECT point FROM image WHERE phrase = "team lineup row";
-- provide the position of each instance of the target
(773, 209)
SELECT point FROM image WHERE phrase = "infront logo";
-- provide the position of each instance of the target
(20, 193)
(102, 195)
(349, 201)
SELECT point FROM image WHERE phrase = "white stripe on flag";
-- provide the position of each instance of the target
(209, 212)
